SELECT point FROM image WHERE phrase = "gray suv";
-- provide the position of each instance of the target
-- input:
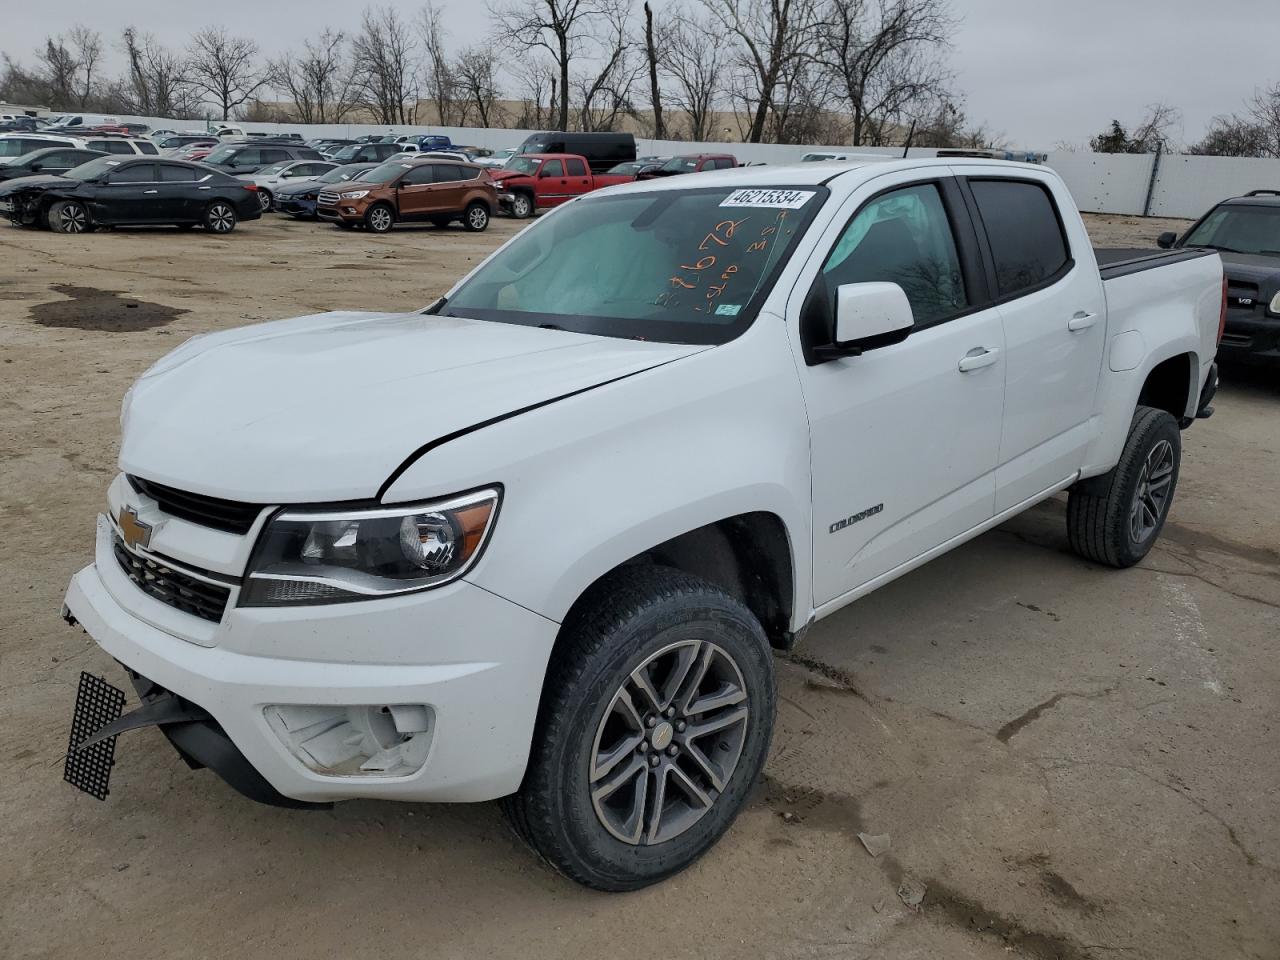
(239, 158)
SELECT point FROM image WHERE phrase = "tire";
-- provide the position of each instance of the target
(1116, 518)
(641, 621)
(476, 218)
(522, 206)
(68, 216)
(220, 217)
(264, 200)
(379, 218)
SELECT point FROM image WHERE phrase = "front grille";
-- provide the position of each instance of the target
(228, 515)
(179, 590)
(329, 199)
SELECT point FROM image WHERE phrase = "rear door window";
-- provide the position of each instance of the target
(275, 156)
(576, 167)
(447, 172)
(147, 147)
(134, 173)
(171, 173)
(1024, 232)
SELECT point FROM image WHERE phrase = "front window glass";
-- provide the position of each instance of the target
(680, 165)
(222, 154)
(688, 266)
(903, 237)
(1238, 228)
(348, 152)
(384, 173)
(93, 169)
(525, 165)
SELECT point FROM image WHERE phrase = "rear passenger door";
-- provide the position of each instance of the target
(577, 177)
(1052, 306)
(179, 201)
(552, 187)
(129, 195)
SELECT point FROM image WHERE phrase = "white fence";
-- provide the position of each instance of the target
(1133, 184)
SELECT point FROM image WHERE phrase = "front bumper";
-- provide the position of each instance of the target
(296, 207)
(347, 213)
(1254, 340)
(473, 659)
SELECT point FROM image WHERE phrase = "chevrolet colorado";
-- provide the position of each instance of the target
(537, 540)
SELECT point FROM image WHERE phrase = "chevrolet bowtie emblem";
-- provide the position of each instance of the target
(134, 531)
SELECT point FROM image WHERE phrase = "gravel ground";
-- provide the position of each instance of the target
(1074, 762)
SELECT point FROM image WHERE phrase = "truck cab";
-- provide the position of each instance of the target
(537, 181)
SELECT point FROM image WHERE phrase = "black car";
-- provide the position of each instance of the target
(1246, 233)
(51, 161)
(113, 191)
(366, 153)
(251, 157)
(299, 200)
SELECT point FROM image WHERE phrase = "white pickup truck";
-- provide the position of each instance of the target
(538, 540)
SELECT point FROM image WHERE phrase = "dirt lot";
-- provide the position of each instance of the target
(1075, 762)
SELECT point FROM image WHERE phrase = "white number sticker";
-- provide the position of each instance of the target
(775, 199)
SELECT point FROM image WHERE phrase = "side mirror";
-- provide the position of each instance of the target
(871, 315)
(1166, 240)
(36, 167)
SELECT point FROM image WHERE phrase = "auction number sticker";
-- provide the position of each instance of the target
(774, 199)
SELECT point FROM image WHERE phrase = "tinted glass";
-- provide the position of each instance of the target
(273, 168)
(175, 174)
(1023, 230)
(244, 158)
(553, 168)
(576, 168)
(275, 156)
(525, 165)
(17, 146)
(902, 237)
(418, 175)
(1239, 228)
(724, 163)
(447, 172)
(93, 169)
(688, 266)
(681, 165)
(147, 147)
(134, 173)
(64, 158)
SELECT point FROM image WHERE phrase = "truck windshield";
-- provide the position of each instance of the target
(1239, 228)
(680, 165)
(686, 266)
(525, 165)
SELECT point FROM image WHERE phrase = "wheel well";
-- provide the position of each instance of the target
(1168, 385)
(748, 556)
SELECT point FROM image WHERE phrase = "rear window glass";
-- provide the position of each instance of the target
(173, 174)
(1023, 230)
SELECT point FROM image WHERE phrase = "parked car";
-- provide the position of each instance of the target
(575, 506)
(18, 124)
(299, 200)
(496, 159)
(434, 141)
(111, 191)
(271, 178)
(822, 156)
(49, 162)
(82, 122)
(535, 181)
(690, 163)
(1245, 231)
(171, 144)
(227, 132)
(125, 146)
(366, 152)
(14, 145)
(602, 150)
(239, 158)
(433, 190)
(633, 168)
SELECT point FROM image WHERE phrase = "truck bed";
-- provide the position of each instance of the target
(1121, 261)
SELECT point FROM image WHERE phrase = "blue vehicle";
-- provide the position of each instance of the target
(299, 200)
(435, 142)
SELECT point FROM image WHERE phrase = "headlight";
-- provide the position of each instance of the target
(337, 556)
(355, 194)
(1274, 306)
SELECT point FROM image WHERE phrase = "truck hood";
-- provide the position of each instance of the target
(326, 407)
(500, 175)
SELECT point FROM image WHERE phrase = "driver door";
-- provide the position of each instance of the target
(415, 192)
(904, 438)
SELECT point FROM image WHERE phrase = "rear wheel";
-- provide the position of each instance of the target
(379, 218)
(476, 217)
(264, 200)
(220, 217)
(1116, 518)
(655, 722)
(522, 206)
(68, 216)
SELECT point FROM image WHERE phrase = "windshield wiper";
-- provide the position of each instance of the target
(1214, 246)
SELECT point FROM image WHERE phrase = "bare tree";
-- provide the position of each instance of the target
(885, 54)
(769, 35)
(1154, 133)
(384, 56)
(1233, 136)
(605, 92)
(651, 54)
(538, 84)
(224, 70)
(562, 28)
(318, 81)
(88, 54)
(441, 85)
(477, 71)
(1264, 112)
(157, 84)
(58, 69)
(695, 66)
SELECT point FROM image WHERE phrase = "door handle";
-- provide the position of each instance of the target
(148, 191)
(1082, 321)
(977, 358)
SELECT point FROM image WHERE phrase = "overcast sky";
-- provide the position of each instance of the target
(1038, 71)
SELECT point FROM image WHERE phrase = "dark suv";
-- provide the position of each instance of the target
(367, 152)
(1246, 233)
(237, 158)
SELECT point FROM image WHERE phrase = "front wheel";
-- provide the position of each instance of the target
(656, 720)
(1115, 519)
(220, 217)
(379, 218)
(69, 216)
(522, 206)
(264, 200)
(476, 217)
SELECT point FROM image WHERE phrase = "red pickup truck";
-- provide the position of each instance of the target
(535, 180)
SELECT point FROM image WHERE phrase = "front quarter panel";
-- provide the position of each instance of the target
(595, 479)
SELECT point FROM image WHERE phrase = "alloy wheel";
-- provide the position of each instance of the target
(668, 743)
(74, 218)
(264, 200)
(1151, 496)
(380, 219)
(221, 218)
(521, 206)
(478, 218)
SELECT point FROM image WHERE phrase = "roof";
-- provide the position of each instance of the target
(1264, 200)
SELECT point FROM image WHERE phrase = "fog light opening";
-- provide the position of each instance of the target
(384, 740)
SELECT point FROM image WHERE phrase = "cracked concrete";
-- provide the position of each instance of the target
(1076, 762)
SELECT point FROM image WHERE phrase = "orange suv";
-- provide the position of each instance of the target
(438, 191)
